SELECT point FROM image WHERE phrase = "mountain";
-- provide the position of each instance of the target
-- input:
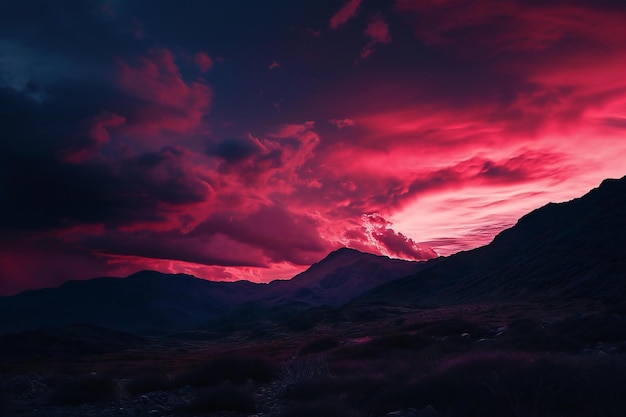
(150, 301)
(567, 252)
(145, 301)
(341, 276)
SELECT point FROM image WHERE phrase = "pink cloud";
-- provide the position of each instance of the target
(275, 65)
(381, 238)
(377, 31)
(342, 123)
(164, 101)
(97, 135)
(347, 12)
(203, 61)
(521, 27)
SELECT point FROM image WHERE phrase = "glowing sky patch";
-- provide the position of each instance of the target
(236, 140)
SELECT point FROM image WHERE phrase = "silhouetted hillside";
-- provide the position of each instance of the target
(150, 301)
(574, 250)
(341, 276)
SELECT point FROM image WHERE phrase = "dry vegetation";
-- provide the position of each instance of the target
(569, 366)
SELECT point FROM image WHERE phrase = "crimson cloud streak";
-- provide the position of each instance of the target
(246, 140)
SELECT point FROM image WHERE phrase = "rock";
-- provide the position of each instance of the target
(19, 385)
(428, 411)
(465, 335)
(410, 412)
(154, 413)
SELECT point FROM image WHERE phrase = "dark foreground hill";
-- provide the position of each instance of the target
(572, 251)
(149, 301)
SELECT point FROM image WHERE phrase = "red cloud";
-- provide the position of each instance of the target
(341, 123)
(163, 100)
(203, 61)
(378, 32)
(520, 26)
(97, 134)
(376, 235)
(344, 14)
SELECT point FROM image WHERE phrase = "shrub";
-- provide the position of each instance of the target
(453, 327)
(224, 397)
(236, 369)
(311, 389)
(592, 329)
(4, 404)
(328, 408)
(516, 384)
(302, 369)
(401, 341)
(149, 383)
(320, 345)
(85, 389)
(357, 393)
(54, 380)
(379, 347)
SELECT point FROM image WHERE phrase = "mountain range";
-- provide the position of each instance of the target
(572, 251)
(150, 301)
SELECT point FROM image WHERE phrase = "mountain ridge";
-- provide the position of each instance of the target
(150, 301)
(573, 249)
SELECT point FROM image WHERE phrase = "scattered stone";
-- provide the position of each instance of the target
(410, 412)
(20, 385)
(428, 411)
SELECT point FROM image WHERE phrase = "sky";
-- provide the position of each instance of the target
(248, 139)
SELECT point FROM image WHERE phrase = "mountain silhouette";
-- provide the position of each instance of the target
(568, 251)
(150, 301)
(341, 276)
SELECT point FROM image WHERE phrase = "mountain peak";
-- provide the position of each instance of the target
(345, 251)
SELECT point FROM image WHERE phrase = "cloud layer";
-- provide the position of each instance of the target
(168, 137)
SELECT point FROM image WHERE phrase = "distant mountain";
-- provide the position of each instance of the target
(568, 252)
(150, 301)
(341, 276)
(145, 301)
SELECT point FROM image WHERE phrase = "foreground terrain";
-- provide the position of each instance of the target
(366, 360)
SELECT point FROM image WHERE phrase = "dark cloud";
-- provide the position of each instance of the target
(282, 235)
(42, 192)
(234, 150)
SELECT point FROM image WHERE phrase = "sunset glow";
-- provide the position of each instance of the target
(247, 140)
